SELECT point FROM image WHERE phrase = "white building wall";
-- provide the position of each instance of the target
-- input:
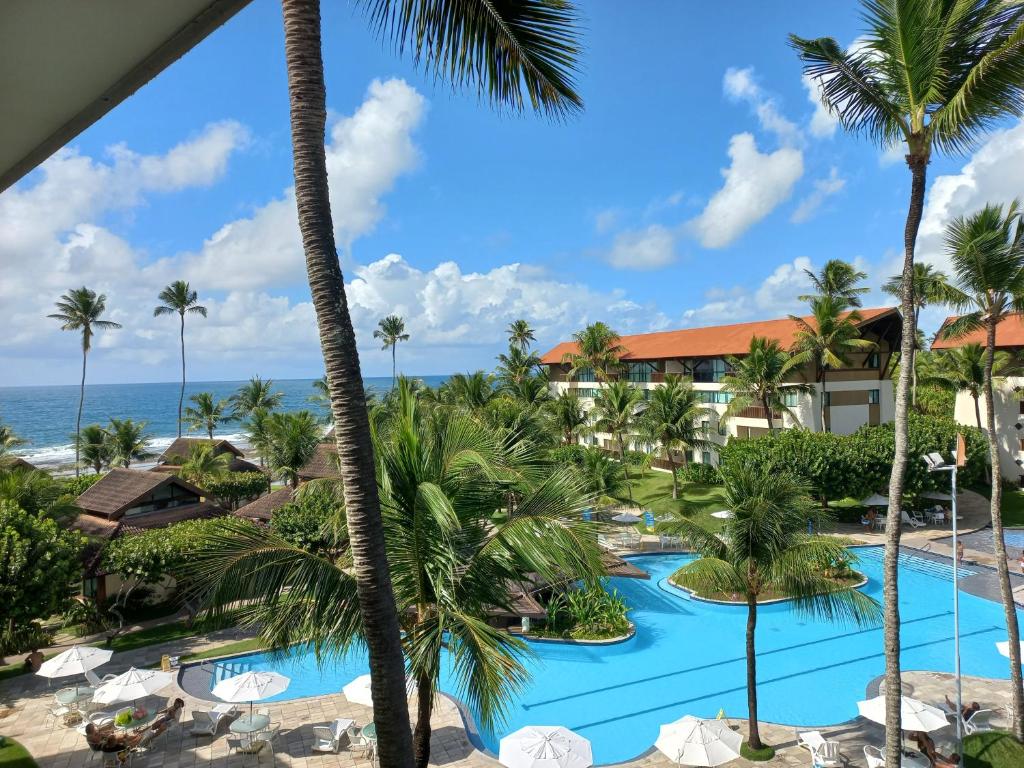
(1007, 398)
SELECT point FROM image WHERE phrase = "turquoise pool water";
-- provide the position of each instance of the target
(688, 658)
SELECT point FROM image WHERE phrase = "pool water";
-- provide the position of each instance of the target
(688, 658)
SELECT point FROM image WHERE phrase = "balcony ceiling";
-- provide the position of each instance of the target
(66, 63)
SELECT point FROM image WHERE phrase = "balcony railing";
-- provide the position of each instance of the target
(758, 412)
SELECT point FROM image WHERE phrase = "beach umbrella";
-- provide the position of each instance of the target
(936, 495)
(1004, 647)
(914, 715)
(75, 661)
(875, 500)
(545, 746)
(131, 685)
(250, 686)
(358, 691)
(692, 741)
(724, 514)
(626, 517)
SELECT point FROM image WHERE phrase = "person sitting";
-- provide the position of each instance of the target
(966, 711)
(923, 742)
(35, 659)
(106, 740)
(868, 520)
(167, 716)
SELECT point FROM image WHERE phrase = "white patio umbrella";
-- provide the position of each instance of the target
(627, 517)
(936, 495)
(875, 500)
(358, 691)
(74, 661)
(545, 746)
(1004, 647)
(131, 685)
(724, 514)
(692, 741)
(250, 686)
(914, 715)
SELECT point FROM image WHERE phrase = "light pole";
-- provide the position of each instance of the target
(936, 463)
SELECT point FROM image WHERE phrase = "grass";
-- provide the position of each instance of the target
(231, 649)
(13, 755)
(654, 492)
(766, 752)
(1013, 507)
(992, 750)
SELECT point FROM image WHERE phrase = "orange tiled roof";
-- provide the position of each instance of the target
(711, 341)
(1009, 333)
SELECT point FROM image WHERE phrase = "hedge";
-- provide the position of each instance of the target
(701, 474)
(236, 487)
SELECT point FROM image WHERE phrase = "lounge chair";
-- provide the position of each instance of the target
(826, 755)
(95, 680)
(906, 519)
(325, 739)
(809, 739)
(979, 722)
(874, 757)
(206, 723)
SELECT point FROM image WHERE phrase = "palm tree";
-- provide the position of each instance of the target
(765, 550)
(502, 50)
(597, 350)
(95, 448)
(934, 76)
(516, 365)
(256, 393)
(759, 378)
(390, 331)
(615, 412)
(257, 431)
(530, 391)
(520, 335)
(206, 412)
(128, 442)
(36, 492)
(671, 418)
(839, 280)
(80, 309)
(8, 440)
(962, 369)
(569, 416)
(827, 340)
(179, 297)
(293, 438)
(931, 286)
(468, 390)
(203, 464)
(604, 478)
(986, 250)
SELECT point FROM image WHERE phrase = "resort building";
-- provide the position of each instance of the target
(262, 509)
(178, 451)
(858, 394)
(1008, 396)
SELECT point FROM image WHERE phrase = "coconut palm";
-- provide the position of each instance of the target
(671, 419)
(206, 412)
(80, 309)
(962, 369)
(520, 335)
(8, 440)
(468, 390)
(765, 550)
(516, 365)
(390, 331)
(759, 378)
(933, 76)
(256, 393)
(603, 478)
(257, 431)
(128, 441)
(178, 297)
(827, 340)
(292, 441)
(597, 351)
(615, 411)
(204, 464)
(36, 492)
(839, 280)
(95, 448)
(502, 50)
(569, 416)
(531, 391)
(986, 250)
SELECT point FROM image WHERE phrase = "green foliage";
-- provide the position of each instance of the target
(568, 454)
(766, 752)
(123, 718)
(993, 749)
(36, 492)
(13, 755)
(237, 487)
(588, 614)
(701, 474)
(76, 486)
(307, 521)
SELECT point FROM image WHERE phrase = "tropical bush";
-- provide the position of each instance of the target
(76, 486)
(701, 474)
(237, 487)
(568, 454)
(307, 521)
(587, 614)
(638, 460)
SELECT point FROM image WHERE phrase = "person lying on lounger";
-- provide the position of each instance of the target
(966, 711)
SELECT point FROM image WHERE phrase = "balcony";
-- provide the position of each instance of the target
(758, 412)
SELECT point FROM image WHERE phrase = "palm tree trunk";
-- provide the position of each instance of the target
(890, 569)
(625, 468)
(822, 403)
(78, 420)
(424, 708)
(913, 360)
(348, 403)
(754, 733)
(768, 414)
(181, 394)
(672, 469)
(1002, 568)
(977, 412)
(394, 367)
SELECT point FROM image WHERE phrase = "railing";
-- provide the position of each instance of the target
(758, 412)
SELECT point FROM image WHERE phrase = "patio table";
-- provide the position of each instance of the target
(250, 724)
(369, 732)
(69, 696)
(938, 518)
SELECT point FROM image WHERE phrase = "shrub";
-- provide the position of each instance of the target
(701, 474)
(568, 454)
(76, 486)
(237, 487)
(588, 614)
(766, 752)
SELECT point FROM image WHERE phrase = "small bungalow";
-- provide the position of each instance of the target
(263, 509)
(178, 452)
(16, 462)
(323, 464)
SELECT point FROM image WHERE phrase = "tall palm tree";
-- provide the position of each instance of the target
(178, 297)
(256, 393)
(390, 331)
(986, 250)
(931, 286)
(934, 76)
(604, 478)
(503, 50)
(8, 439)
(520, 335)
(257, 431)
(765, 549)
(597, 350)
(759, 378)
(80, 309)
(468, 390)
(207, 412)
(516, 365)
(95, 448)
(203, 464)
(839, 280)
(615, 412)
(293, 438)
(569, 416)
(671, 419)
(962, 369)
(128, 441)
(529, 391)
(827, 340)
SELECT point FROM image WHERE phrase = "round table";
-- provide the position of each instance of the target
(250, 724)
(369, 731)
(915, 760)
(69, 696)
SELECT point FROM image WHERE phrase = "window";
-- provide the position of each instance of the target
(827, 396)
(705, 426)
(585, 374)
(872, 397)
(709, 396)
(790, 399)
(722, 429)
(696, 455)
(90, 587)
(710, 371)
(874, 360)
(1022, 407)
(639, 373)
(706, 457)
(1021, 481)
(591, 393)
(1022, 444)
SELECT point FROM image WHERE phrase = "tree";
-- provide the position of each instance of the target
(517, 365)
(597, 350)
(8, 440)
(257, 430)
(530, 391)
(931, 286)
(472, 391)
(604, 478)
(569, 416)
(671, 418)
(933, 76)
(520, 335)
(204, 465)
(827, 340)
(390, 331)
(254, 394)
(765, 549)
(615, 411)
(94, 447)
(986, 250)
(41, 561)
(759, 378)
(128, 441)
(293, 438)
(206, 413)
(962, 369)
(178, 297)
(839, 280)
(37, 493)
(522, 45)
(80, 309)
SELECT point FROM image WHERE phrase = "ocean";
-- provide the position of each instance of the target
(45, 416)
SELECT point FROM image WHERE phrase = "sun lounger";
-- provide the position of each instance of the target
(207, 723)
(809, 739)
(906, 519)
(979, 722)
(874, 757)
(826, 755)
(95, 680)
(324, 739)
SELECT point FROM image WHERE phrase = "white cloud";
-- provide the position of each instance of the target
(755, 184)
(776, 297)
(605, 221)
(823, 123)
(648, 248)
(740, 85)
(823, 189)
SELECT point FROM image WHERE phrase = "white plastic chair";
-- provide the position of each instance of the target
(264, 741)
(324, 739)
(873, 756)
(979, 722)
(95, 680)
(56, 713)
(826, 755)
(358, 743)
(205, 723)
(906, 519)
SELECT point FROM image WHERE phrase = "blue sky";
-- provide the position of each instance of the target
(697, 184)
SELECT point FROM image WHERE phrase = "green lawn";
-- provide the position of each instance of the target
(992, 750)
(1013, 509)
(13, 755)
(654, 492)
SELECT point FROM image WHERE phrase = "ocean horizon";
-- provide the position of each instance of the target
(44, 416)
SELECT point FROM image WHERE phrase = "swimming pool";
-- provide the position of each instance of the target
(688, 658)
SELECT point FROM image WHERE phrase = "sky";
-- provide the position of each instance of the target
(701, 179)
